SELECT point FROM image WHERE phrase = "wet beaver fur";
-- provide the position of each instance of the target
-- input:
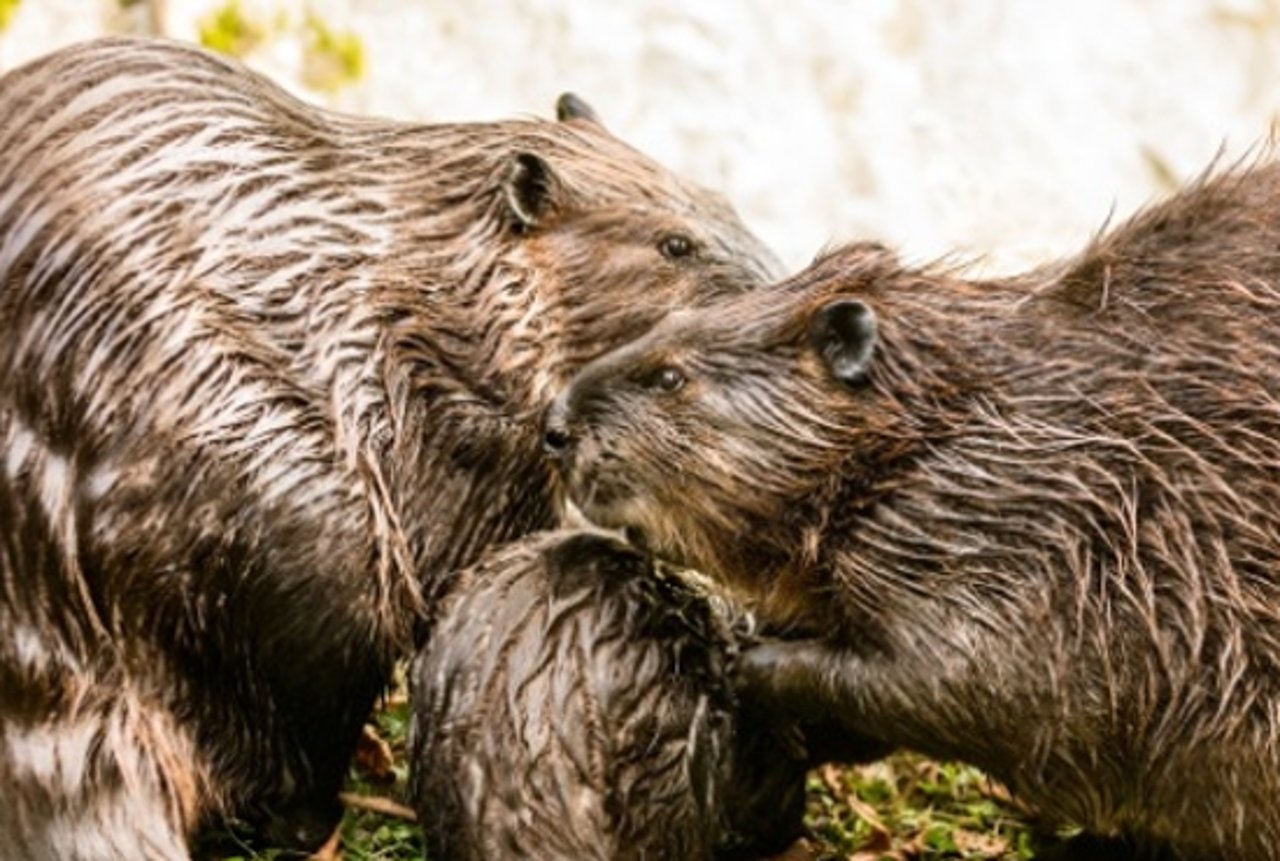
(266, 370)
(574, 701)
(1033, 523)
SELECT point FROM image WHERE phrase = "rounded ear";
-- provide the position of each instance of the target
(572, 107)
(531, 189)
(844, 334)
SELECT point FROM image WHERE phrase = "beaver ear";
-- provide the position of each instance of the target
(531, 188)
(572, 107)
(844, 334)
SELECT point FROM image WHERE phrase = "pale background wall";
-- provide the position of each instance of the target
(1004, 130)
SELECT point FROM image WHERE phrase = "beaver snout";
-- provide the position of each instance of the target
(556, 441)
(557, 437)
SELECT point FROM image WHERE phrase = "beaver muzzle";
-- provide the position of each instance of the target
(557, 438)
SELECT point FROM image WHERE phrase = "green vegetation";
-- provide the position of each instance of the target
(8, 8)
(909, 807)
(905, 807)
(333, 59)
(370, 837)
(228, 30)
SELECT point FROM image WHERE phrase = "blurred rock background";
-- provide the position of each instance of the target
(1003, 131)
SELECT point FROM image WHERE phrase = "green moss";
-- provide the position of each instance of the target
(902, 807)
(334, 59)
(229, 31)
(368, 836)
(8, 8)
(907, 806)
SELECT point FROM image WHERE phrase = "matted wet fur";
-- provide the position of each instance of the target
(1032, 523)
(574, 701)
(264, 370)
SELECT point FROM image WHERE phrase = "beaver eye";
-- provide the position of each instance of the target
(668, 379)
(676, 246)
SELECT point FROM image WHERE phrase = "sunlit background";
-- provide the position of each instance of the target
(1003, 132)
(999, 132)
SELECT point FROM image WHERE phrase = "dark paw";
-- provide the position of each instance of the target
(795, 679)
(835, 741)
(799, 683)
(294, 831)
(304, 825)
(766, 675)
(1087, 847)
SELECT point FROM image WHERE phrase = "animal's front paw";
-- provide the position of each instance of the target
(806, 683)
(786, 677)
(306, 825)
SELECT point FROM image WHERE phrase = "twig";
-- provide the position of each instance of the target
(332, 848)
(376, 804)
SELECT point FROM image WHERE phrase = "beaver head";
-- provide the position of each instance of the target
(721, 436)
(590, 244)
(1034, 514)
(576, 700)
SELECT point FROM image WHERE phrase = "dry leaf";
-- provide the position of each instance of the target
(875, 855)
(867, 814)
(374, 758)
(972, 841)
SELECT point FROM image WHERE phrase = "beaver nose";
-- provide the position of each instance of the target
(557, 439)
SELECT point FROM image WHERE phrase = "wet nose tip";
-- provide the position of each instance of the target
(556, 440)
(557, 436)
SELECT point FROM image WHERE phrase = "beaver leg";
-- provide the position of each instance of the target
(324, 723)
(875, 703)
(807, 680)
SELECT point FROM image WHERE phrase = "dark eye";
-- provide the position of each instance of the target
(676, 246)
(668, 379)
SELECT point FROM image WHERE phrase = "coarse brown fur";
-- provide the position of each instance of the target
(265, 373)
(1033, 523)
(574, 701)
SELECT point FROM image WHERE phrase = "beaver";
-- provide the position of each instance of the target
(574, 701)
(266, 371)
(1029, 522)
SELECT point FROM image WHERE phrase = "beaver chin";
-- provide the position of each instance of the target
(600, 501)
(607, 510)
(608, 501)
(595, 504)
(646, 528)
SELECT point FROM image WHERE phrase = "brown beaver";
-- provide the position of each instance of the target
(1032, 523)
(574, 701)
(264, 371)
